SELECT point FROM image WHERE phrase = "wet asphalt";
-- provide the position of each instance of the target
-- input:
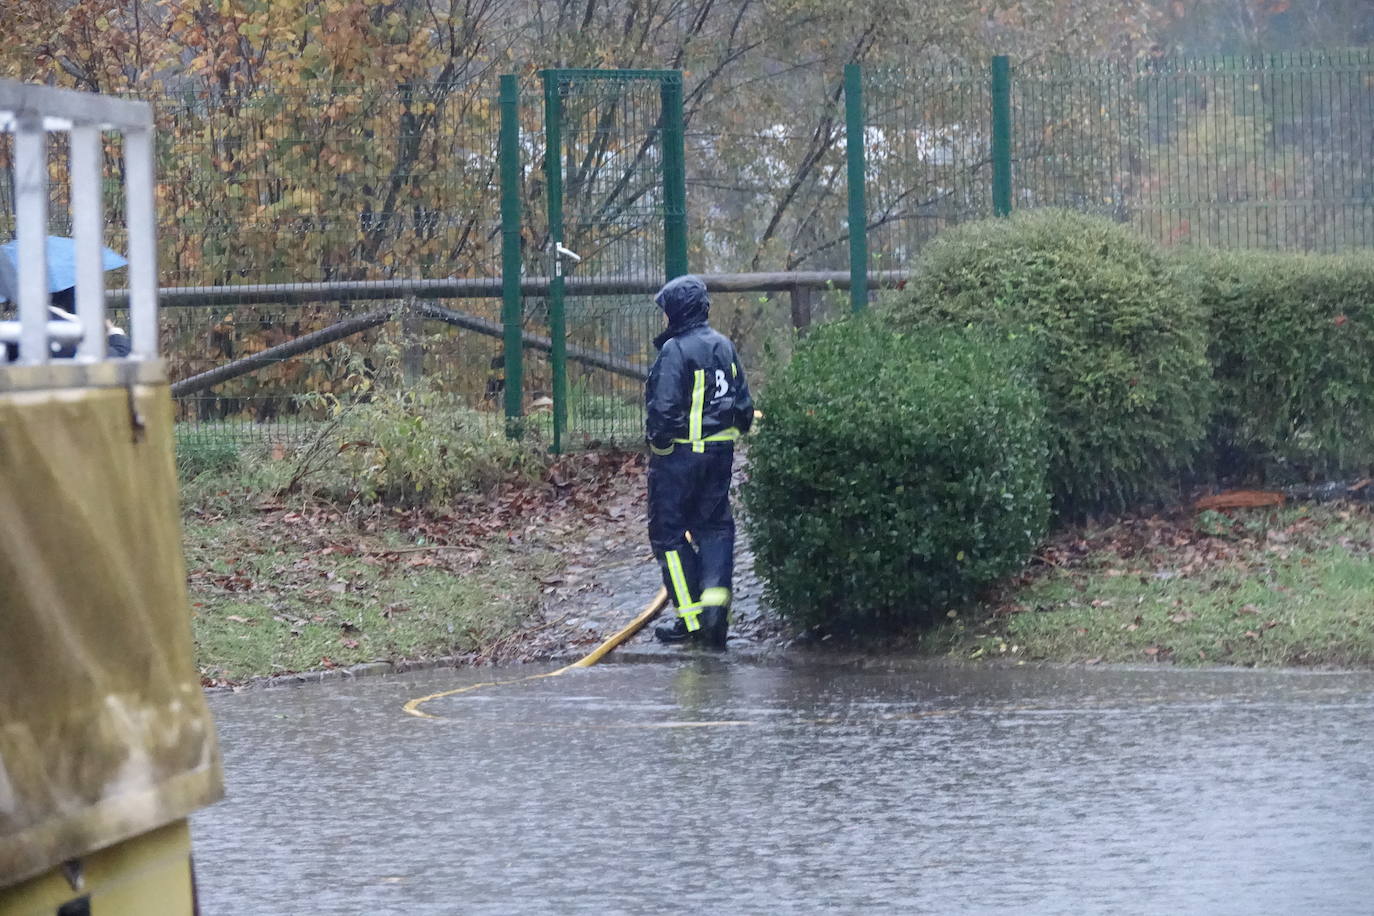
(711, 784)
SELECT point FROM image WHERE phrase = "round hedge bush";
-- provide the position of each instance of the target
(1120, 348)
(1292, 349)
(893, 475)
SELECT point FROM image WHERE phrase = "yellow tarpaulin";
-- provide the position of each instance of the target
(104, 730)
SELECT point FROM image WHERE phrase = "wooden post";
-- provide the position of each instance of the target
(801, 307)
(412, 348)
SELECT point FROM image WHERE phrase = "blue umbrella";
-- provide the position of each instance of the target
(61, 264)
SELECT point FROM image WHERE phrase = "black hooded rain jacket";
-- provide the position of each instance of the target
(696, 392)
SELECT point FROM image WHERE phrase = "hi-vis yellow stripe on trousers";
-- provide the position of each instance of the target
(686, 608)
(694, 418)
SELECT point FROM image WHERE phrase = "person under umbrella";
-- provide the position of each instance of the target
(61, 257)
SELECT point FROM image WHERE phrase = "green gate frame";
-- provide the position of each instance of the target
(670, 128)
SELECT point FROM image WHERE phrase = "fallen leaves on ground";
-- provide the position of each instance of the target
(1225, 585)
(1182, 544)
(562, 527)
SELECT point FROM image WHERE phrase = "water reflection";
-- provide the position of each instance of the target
(928, 790)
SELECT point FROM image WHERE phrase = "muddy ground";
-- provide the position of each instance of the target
(566, 560)
(611, 576)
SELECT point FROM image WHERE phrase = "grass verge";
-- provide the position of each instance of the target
(298, 590)
(1251, 587)
(285, 583)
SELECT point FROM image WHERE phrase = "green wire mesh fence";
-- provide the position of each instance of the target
(927, 136)
(298, 188)
(616, 215)
(398, 185)
(1272, 152)
(352, 185)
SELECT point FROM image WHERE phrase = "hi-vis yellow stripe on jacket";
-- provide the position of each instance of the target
(697, 392)
(698, 407)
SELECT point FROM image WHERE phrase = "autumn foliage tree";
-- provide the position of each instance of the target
(347, 139)
(297, 111)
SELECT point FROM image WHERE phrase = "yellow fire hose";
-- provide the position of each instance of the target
(412, 707)
(652, 610)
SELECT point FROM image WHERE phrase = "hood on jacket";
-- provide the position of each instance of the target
(684, 300)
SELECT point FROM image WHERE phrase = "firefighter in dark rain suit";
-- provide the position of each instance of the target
(698, 405)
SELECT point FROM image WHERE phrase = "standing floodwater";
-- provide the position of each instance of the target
(821, 788)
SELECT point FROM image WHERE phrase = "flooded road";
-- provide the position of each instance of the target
(712, 786)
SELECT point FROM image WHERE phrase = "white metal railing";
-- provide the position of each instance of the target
(31, 113)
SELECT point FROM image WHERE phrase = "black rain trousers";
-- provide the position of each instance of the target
(689, 491)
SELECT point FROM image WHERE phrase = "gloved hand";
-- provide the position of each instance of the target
(661, 446)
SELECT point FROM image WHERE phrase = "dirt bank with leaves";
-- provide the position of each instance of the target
(1263, 586)
(549, 565)
(544, 566)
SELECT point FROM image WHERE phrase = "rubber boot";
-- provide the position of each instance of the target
(715, 621)
(715, 616)
(674, 632)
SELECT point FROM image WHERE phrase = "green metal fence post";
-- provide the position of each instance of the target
(1001, 135)
(512, 317)
(858, 207)
(674, 178)
(553, 174)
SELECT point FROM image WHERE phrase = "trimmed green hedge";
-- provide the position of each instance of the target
(894, 475)
(1120, 346)
(1292, 350)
